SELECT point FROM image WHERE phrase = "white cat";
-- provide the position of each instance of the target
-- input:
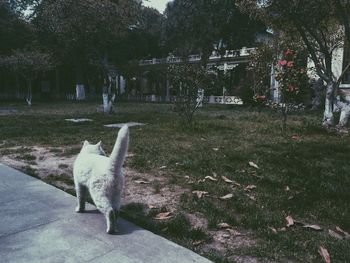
(102, 176)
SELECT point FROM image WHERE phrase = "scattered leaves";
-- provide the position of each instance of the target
(227, 180)
(223, 225)
(197, 243)
(313, 227)
(199, 194)
(211, 178)
(296, 138)
(226, 197)
(324, 254)
(250, 187)
(290, 221)
(234, 232)
(252, 164)
(163, 216)
(274, 230)
(334, 234)
(251, 197)
(346, 234)
(141, 182)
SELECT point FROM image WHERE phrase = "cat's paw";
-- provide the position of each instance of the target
(110, 231)
(79, 209)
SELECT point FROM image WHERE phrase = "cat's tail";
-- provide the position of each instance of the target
(119, 150)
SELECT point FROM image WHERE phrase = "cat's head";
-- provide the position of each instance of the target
(93, 148)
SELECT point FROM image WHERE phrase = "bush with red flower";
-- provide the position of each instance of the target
(292, 76)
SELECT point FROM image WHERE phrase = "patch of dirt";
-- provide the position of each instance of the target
(150, 190)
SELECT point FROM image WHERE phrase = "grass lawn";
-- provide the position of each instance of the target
(303, 173)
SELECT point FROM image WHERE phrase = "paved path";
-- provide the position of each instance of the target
(38, 224)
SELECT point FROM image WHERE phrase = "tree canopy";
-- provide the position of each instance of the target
(195, 26)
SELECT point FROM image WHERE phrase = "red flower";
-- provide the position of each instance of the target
(282, 62)
(290, 64)
(288, 52)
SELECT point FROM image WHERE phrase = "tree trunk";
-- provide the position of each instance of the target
(284, 111)
(108, 100)
(18, 89)
(318, 89)
(80, 87)
(29, 93)
(344, 117)
(328, 117)
(57, 80)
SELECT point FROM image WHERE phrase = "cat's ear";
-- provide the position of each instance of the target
(85, 143)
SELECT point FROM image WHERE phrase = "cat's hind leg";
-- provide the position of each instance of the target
(116, 204)
(81, 196)
(104, 205)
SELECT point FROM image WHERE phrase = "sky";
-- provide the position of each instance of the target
(157, 4)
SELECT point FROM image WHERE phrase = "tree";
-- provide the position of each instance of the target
(15, 32)
(28, 64)
(195, 26)
(187, 80)
(322, 26)
(293, 80)
(85, 31)
(144, 40)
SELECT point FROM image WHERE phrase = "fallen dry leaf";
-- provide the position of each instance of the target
(215, 149)
(346, 234)
(201, 181)
(199, 194)
(226, 236)
(250, 187)
(223, 225)
(141, 182)
(334, 234)
(290, 221)
(287, 189)
(163, 216)
(187, 177)
(324, 254)
(282, 229)
(252, 164)
(313, 227)
(214, 174)
(152, 207)
(234, 232)
(296, 138)
(211, 178)
(251, 197)
(196, 243)
(226, 197)
(162, 167)
(274, 230)
(227, 180)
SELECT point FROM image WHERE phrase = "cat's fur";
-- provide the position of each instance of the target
(102, 176)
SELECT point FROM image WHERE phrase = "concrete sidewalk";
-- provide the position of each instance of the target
(38, 224)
